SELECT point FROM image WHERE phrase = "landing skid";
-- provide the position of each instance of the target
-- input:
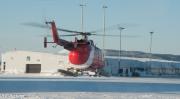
(75, 72)
(67, 73)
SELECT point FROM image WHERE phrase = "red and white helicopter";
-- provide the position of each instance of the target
(83, 53)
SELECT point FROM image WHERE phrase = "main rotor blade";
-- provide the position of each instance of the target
(70, 31)
(47, 26)
(75, 33)
(115, 27)
(36, 25)
(63, 35)
(129, 36)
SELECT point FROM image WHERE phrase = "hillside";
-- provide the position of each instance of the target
(139, 54)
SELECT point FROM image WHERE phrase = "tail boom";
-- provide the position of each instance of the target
(66, 44)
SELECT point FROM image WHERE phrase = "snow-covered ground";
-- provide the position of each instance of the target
(59, 77)
(88, 95)
(48, 86)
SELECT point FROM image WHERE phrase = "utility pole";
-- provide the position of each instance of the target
(150, 49)
(120, 30)
(104, 28)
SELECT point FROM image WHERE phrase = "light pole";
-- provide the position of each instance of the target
(150, 49)
(120, 30)
(104, 28)
(82, 15)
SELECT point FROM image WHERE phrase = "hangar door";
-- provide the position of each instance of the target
(33, 68)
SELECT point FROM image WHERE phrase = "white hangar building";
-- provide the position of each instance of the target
(41, 62)
(32, 62)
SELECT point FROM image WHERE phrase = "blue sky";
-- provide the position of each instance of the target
(139, 17)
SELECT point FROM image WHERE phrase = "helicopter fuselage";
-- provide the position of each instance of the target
(83, 53)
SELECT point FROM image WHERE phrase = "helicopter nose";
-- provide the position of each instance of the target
(79, 56)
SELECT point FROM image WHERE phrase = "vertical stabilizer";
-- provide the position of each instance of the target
(54, 31)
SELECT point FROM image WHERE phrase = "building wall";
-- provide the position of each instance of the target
(16, 61)
(158, 67)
